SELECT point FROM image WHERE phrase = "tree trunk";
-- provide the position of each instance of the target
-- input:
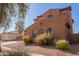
(0, 42)
(0, 46)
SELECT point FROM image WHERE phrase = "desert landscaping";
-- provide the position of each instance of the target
(49, 32)
(34, 50)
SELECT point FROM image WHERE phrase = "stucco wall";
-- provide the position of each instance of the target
(57, 23)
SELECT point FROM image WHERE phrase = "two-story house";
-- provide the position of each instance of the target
(56, 21)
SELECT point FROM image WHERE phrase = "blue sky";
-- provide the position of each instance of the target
(36, 9)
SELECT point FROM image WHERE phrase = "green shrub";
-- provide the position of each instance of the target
(27, 39)
(62, 44)
(44, 39)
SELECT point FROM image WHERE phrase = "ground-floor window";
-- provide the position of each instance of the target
(41, 30)
(49, 30)
(34, 32)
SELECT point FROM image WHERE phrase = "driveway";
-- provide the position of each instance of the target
(9, 46)
(39, 50)
(12, 42)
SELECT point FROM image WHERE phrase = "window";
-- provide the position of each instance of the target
(41, 31)
(68, 25)
(34, 32)
(50, 16)
(64, 14)
(49, 30)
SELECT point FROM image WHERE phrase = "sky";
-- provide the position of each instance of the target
(36, 9)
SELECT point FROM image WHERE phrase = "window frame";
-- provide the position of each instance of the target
(50, 30)
(41, 30)
(64, 14)
(50, 17)
(68, 26)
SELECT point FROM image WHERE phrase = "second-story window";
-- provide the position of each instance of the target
(64, 14)
(68, 25)
(50, 17)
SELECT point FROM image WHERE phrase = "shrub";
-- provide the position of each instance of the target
(44, 39)
(27, 39)
(18, 53)
(62, 44)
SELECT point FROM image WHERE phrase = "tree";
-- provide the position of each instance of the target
(20, 26)
(6, 25)
(9, 10)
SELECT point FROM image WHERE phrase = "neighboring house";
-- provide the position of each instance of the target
(9, 36)
(57, 21)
